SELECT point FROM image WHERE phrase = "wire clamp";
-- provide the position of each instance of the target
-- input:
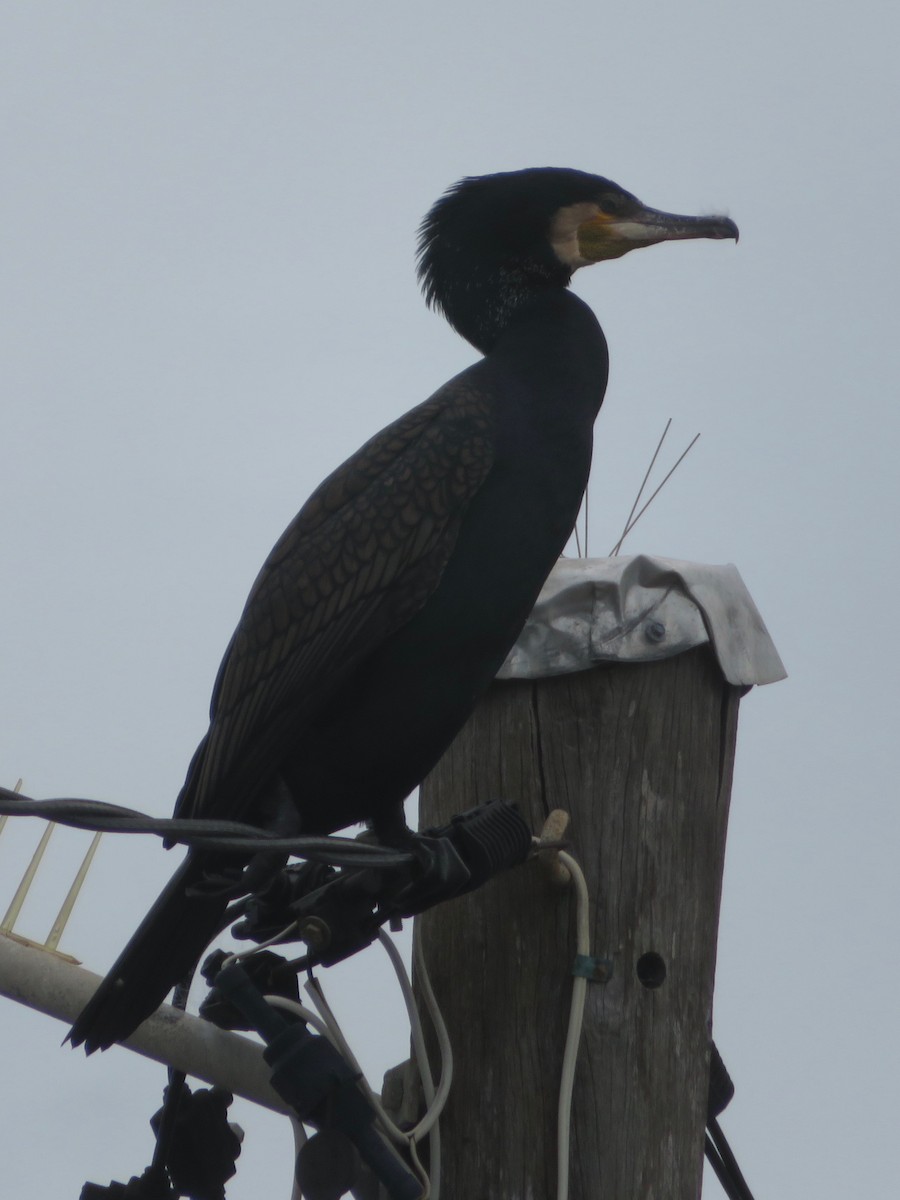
(595, 970)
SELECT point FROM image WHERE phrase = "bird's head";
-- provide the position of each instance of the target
(493, 239)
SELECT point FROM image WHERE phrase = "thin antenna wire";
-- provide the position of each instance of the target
(618, 546)
(62, 919)
(629, 528)
(586, 520)
(8, 923)
(59, 925)
(17, 789)
(583, 509)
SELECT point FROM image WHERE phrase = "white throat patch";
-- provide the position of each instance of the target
(564, 233)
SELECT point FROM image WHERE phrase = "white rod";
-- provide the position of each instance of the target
(51, 984)
(12, 913)
(62, 918)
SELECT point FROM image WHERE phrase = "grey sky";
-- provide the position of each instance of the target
(208, 300)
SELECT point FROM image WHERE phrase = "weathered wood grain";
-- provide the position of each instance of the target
(641, 756)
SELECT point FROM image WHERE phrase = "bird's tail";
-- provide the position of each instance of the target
(164, 949)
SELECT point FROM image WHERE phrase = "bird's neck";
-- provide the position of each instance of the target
(483, 303)
(555, 343)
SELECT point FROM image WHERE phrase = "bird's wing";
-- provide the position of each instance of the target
(357, 562)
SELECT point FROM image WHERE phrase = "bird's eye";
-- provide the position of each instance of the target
(613, 203)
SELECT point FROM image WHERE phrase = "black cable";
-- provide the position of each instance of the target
(168, 1116)
(200, 833)
(173, 1093)
(715, 1161)
(230, 836)
(720, 1157)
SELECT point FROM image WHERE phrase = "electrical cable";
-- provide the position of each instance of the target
(718, 1152)
(417, 1035)
(240, 955)
(445, 1049)
(329, 1028)
(717, 1149)
(428, 1192)
(720, 1157)
(304, 1013)
(715, 1161)
(200, 833)
(326, 1024)
(439, 1097)
(173, 1093)
(300, 1140)
(234, 836)
(435, 1098)
(573, 1035)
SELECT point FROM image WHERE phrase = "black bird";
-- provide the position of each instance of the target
(393, 597)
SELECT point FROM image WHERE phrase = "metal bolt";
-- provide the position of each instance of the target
(603, 970)
(315, 932)
(654, 631)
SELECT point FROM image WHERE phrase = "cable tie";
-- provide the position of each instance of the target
(595, 970)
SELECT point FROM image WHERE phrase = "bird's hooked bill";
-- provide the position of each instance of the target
(605, 235)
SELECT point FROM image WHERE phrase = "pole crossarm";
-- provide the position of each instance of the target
(54, 985)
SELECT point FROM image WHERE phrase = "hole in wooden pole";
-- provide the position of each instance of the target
(651, 970)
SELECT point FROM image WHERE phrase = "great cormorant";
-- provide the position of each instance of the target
(392, 598)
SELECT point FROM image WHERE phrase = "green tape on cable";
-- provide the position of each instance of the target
(597, 970)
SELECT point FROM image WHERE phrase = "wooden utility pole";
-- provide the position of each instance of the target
(641, 756)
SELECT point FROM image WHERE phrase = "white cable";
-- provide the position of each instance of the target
(439, 1097)
(329, 1021)
(240, 955)
(328, 1026)
(335, 1035)
(444, 1047)
(434, 1101)
(299, 1143)
(326, 1023)
(430, 1185)
(573, 1036)
(299, 1010)
(415, 1023)
(435, 1098)
(332, 1032)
